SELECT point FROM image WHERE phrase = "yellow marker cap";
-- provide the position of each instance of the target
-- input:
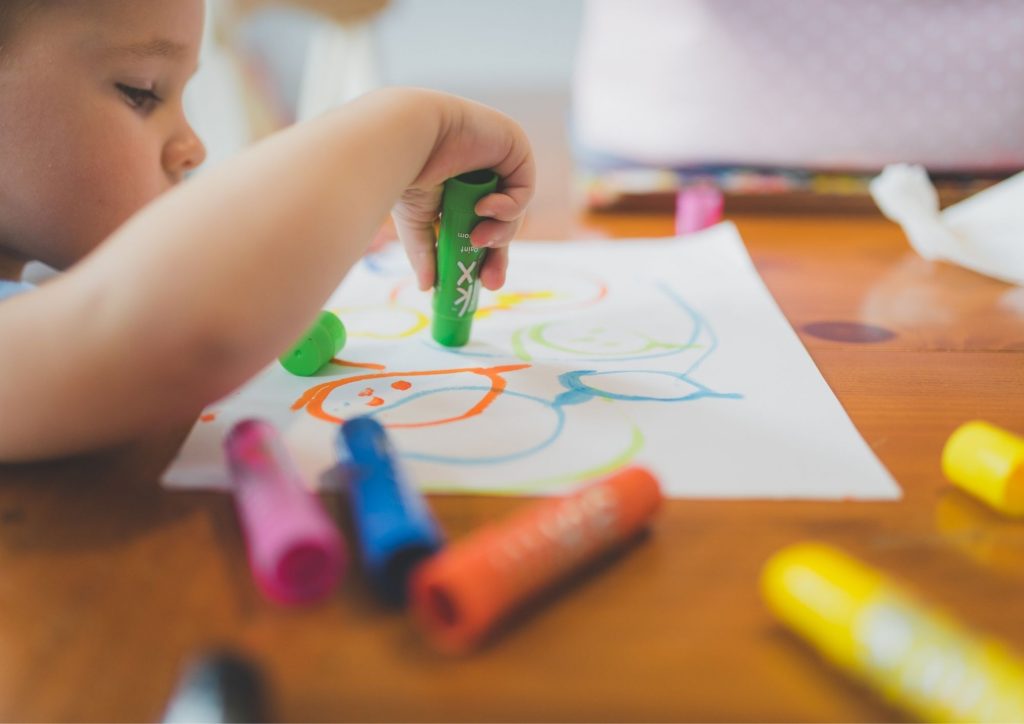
(987, 462)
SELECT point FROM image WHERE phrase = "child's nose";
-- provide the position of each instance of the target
(183, 153)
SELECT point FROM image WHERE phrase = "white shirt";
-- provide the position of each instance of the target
(9, 288)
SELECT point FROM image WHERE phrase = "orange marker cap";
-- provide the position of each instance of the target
(461, 593)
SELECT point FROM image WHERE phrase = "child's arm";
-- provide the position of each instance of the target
(205, 286)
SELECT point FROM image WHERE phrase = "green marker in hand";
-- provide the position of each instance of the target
(458, 261)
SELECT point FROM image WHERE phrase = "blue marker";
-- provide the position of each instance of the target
(394, 526)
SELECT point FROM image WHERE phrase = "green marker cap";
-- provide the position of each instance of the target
(458, 261)
(316, 347)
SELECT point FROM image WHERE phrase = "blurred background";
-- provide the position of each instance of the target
(785, 106)
(267, 64)
(463, 47)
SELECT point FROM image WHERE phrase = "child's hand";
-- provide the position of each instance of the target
(472, 137)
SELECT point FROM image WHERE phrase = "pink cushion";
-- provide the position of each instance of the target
(808, 83)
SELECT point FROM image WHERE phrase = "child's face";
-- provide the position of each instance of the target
(91, 120)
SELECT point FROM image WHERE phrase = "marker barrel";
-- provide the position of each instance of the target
(458, 261)
(459, 595)
(316, 347)
(917, 658)
(295, 551)
(394, 524)
(698, 207)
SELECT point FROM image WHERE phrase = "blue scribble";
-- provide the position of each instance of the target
(577, 391)
(483, 459)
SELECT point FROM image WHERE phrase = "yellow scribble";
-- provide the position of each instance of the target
(419, 321)
(507, 301)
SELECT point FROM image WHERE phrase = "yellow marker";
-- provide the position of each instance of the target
(917, 658)
(987, 462)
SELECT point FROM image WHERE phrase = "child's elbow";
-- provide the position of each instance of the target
(211, 362)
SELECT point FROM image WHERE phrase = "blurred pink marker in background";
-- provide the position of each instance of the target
(698, 207)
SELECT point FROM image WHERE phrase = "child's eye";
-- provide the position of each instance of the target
(140, 98)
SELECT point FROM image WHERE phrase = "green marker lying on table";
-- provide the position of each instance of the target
(316, 347)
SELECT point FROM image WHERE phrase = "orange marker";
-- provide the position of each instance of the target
(460, 594)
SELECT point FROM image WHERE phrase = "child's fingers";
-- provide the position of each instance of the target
(499, 206)
(414, 217)
(518, 178)
(420, 248)
(505, 210)
(494, 234)
(492, 274)
(421, 256)
(419, 242)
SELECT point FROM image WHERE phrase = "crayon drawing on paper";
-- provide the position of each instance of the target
(667, 353)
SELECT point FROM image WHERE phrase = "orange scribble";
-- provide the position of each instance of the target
(313, 399)
(375, 402)
(401, 385)
(362, 365)
(367, 392)
(395, 290)
(208, 417)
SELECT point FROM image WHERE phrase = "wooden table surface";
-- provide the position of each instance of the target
(108, 584)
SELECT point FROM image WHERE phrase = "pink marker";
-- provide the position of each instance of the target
(295, 551)
(698, 207)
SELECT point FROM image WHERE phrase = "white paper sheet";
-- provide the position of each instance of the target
(668, 353)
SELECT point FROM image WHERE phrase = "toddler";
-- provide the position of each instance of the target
(176, 293)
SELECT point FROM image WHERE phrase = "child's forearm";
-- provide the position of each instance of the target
(258, 244)
(208, 284)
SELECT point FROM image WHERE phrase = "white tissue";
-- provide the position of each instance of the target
(984, 233)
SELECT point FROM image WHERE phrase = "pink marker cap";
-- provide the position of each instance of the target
(698, 207)
(295, 551)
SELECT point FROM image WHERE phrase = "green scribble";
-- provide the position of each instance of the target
(518, 348)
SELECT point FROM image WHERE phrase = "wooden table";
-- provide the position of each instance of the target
(108, 584)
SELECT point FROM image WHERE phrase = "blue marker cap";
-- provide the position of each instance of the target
(394, 525)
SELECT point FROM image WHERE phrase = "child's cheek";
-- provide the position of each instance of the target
(103, 191)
